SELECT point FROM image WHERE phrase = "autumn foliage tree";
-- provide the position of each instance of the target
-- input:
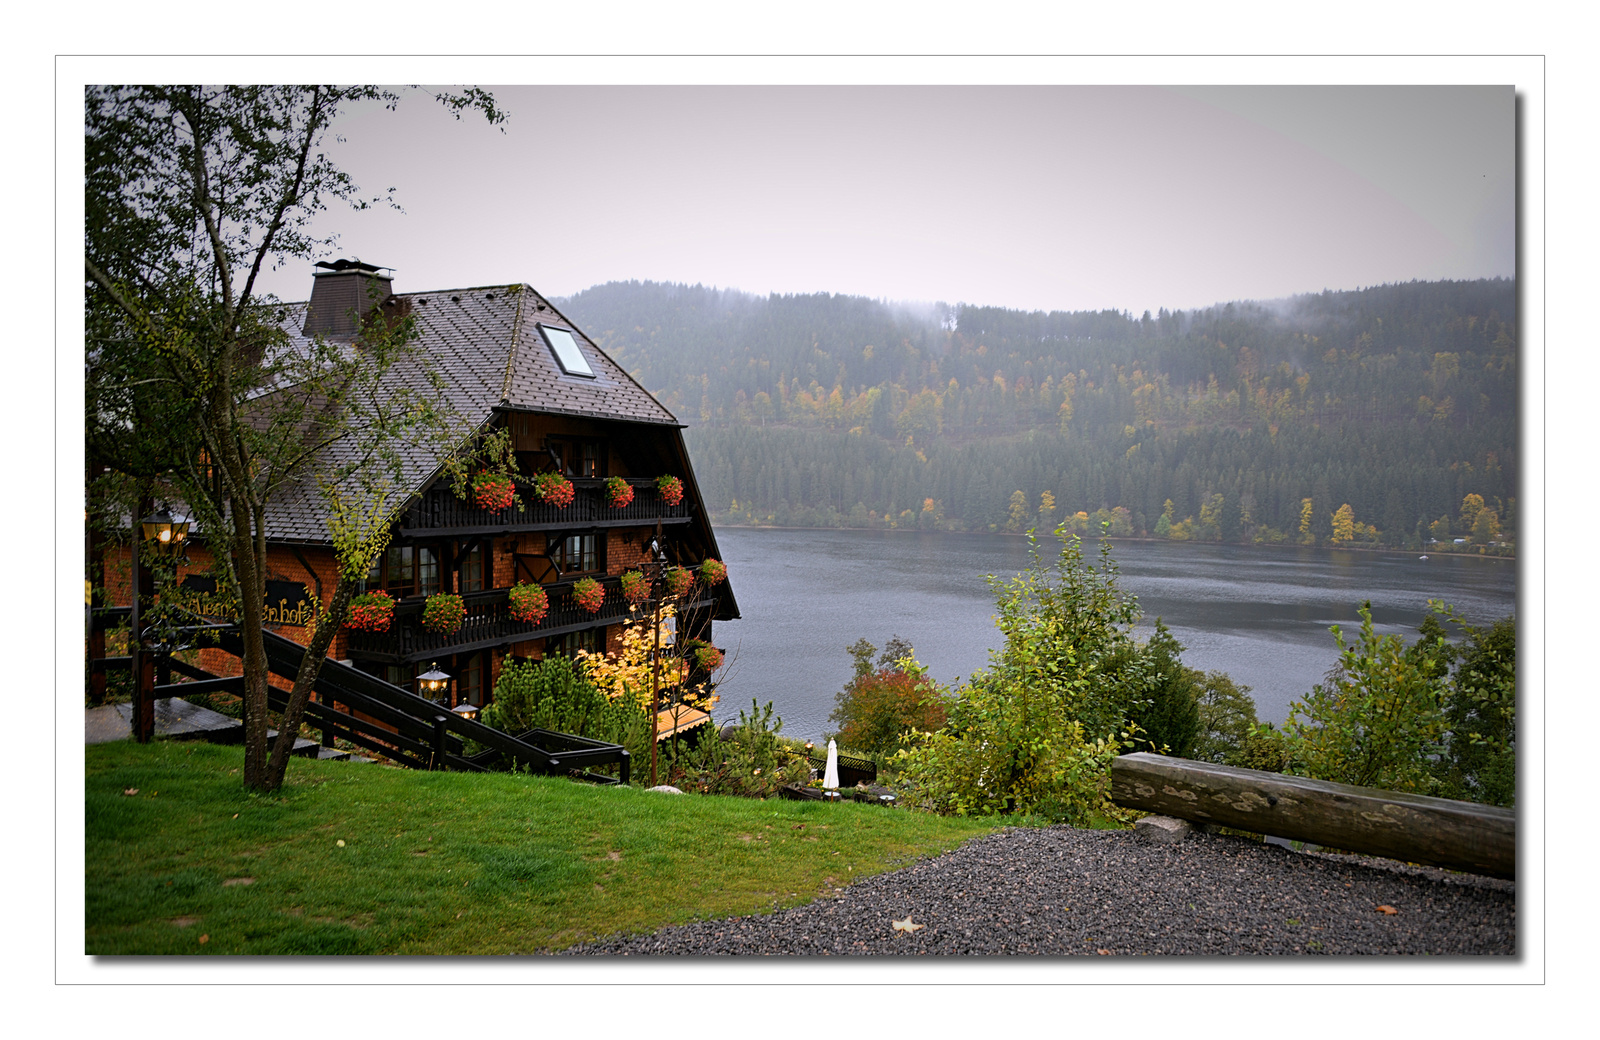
(881, 703)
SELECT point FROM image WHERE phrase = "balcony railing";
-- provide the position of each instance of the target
(489, 623)
(440, 512)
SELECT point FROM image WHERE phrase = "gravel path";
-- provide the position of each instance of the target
(1060, 891)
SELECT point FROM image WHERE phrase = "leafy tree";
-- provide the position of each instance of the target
(1035, 731)
(1479, 763)
(1166, 709)
(878, 705)
(190, 192)
(1344, 525)
(1305, 521)
(1471, 505)
(1226, 717)
(1018, 518)
(1485, 527)
(555, 694)
(1378, 716)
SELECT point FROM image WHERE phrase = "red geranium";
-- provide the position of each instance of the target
(371, 612)
(712, 572)
(492, 491)
(618, 492)
(677, 581)
(554, 489)
(589, 594)
(528, 602)
(634, 588)
(708, 657)
(443, 613)
(670, 488)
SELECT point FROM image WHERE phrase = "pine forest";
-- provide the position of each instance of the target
(1385, 416)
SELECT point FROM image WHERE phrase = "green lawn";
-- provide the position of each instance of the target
(352, 859)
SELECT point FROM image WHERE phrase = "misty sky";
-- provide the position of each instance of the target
(1035, 197)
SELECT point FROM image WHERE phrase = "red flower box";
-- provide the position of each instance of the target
(370, 612)
(443, 613)
(712, 572)
(677, 581)
(492, 491)
(589, 594)
(708, 657)
(670, 489)
(619, 492)
(634, 588)
(554, 489)
(529, 603)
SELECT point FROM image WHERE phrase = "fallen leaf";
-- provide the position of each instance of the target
(1387, 909)
(1103, 953)
(907, 926)
(205, 938)
(131, 791)
(236, 816)
(340, 843)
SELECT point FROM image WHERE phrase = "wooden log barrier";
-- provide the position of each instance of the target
(1477, 839)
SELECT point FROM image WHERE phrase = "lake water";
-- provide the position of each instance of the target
(1260, 614)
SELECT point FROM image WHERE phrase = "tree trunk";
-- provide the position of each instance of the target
(252, 597)
(310, 668)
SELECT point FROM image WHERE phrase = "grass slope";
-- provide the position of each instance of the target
(443, 863)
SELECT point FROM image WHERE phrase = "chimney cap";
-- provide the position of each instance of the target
(340, 266)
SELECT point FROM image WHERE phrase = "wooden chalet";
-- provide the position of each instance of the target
(511, 360)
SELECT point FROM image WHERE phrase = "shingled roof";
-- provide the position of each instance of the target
(485, 343)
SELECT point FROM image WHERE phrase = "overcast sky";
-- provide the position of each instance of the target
(1044, 197)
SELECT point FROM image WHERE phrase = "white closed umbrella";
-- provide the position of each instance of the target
(830, 776)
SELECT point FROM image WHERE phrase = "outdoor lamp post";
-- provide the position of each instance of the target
(433, 681)
(653, 569)
(168, 537)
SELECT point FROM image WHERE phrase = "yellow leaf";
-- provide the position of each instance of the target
(907, 926)
(1387, 909)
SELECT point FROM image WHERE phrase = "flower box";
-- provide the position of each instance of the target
(370, 612)
(554, 489)
(492, 491)
(634, 588)
(443, 613)
(670, 489)
(589, 594)
(529, 603)
(677, 580)
(708, 657)
(619, 492)
(712, 572)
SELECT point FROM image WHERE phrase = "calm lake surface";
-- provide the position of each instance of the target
(1260, 614)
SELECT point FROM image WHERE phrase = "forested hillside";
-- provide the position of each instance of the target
(1386, 415)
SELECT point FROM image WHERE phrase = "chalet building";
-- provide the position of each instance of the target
(510, 360)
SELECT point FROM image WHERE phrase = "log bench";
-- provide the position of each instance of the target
(1439, 832)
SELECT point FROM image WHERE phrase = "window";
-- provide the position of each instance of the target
(472, 570)
(578, 554)
(399, 675)
(469, 680)
(404, 570)
(568, 354)
(569, 644)
(578, 458)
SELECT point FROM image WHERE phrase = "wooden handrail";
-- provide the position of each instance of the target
(1414, 828)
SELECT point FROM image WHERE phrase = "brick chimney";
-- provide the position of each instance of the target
(341, 291)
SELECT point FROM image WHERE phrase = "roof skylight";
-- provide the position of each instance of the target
(565, 348)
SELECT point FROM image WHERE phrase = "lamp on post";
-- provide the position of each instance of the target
(656, 567)
(433, 682)
(168, 537)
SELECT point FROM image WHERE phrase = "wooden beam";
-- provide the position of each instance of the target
(1477, 839)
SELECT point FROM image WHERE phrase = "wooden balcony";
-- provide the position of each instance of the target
(489, 624)
(440, 514)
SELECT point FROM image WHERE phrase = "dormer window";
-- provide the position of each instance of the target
(565, 348)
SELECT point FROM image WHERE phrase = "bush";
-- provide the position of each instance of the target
(1378, 718)
(1479, 762)
(553, 694)
(1227, 716)
(1168, 711)
(1036, 731)
(754, 761)
(880, 704)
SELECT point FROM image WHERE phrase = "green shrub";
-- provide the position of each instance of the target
(1227, 716)
(1036, 731)
(753, 761)
(553, 694)
(1479, 762)
(1377, 718)
(1168, 711)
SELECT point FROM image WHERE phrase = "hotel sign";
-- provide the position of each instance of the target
(286, 602)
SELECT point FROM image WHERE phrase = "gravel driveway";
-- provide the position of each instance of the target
(1057, 891)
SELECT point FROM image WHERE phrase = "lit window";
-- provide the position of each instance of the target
(565, 348)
